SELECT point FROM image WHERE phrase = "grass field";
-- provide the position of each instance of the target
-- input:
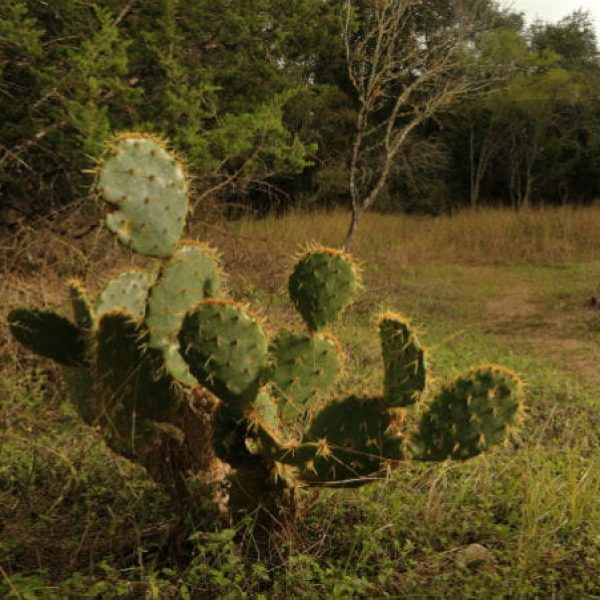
(495, 286)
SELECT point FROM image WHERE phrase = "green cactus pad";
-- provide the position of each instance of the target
(302, 366)
(321, 285)
(469, 416)
(126, 292)
(190, 275)
(235, 433)
(80, 386)
(360, 437)
(149, 189)
(49, 335)
(82, 307)
(128, 376)
(225, 348)
(404, 362)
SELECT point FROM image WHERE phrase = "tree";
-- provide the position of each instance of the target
(407, 61)
(213, 75)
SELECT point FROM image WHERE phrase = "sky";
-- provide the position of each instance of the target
(554, 10)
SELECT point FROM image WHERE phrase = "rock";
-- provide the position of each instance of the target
(475, 556)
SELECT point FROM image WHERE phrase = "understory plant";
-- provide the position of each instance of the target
(180, 378)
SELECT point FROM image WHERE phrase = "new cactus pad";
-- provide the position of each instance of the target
(322, 284)
(187, 382)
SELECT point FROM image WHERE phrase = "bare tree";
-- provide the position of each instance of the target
(408, 60)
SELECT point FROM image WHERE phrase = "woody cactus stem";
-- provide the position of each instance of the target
(189, 383)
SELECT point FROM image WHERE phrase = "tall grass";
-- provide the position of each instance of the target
(487, 236)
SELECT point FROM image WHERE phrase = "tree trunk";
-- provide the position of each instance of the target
(352, 229)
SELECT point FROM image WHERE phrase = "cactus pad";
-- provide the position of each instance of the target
(321, 285)
(149, 189)
(80, 387)
(359, 435)
(302, 366)
(404, 362)
(82, 307)
(190, 275)
(128, 377)
(225, 348)
(49, 335)
(126, 292)
(470, 415)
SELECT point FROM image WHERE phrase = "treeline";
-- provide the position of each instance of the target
(256, 95)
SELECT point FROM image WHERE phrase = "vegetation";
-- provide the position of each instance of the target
(78, 520)
(263, 99)
(290, 115)
(140, 360)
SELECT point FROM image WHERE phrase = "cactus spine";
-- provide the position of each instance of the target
(145, 357)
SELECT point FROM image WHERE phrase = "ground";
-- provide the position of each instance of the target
(75, 521)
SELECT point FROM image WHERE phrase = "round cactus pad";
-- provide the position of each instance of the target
(126, 292)
(302, 366)
(321, 285)
(470, 415)
(127, 373)
(149, 190)
(225, 348)
(359, 436)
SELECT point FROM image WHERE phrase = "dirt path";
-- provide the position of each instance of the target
(526, 314)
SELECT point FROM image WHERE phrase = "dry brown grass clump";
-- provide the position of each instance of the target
(487, 236)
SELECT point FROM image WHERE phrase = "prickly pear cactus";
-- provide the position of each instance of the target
(148, 186)
(189, 383)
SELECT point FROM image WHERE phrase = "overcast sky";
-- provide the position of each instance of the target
(553, 10)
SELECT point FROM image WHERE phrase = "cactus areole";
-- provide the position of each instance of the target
(184, 380)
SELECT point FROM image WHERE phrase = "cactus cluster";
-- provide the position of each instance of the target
(141, 359)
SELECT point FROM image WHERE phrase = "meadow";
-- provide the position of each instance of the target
(495, 286)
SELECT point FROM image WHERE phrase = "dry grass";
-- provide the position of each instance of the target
(493, 285)
(36, 261)
(489, 236)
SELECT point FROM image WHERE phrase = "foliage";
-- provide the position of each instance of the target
(259, 99)
(141, 358)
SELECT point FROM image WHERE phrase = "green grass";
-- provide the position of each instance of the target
(78, 522)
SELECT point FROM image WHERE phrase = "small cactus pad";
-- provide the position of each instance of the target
(149, 189)
(49, 335)
(321, 285)
(82, 307)
(225, 348)
(127, 375)
(403, 360)
(126, 292)
(470, 415)
(190, 275)
(263, 411)
(302, 366)
(359, 437)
